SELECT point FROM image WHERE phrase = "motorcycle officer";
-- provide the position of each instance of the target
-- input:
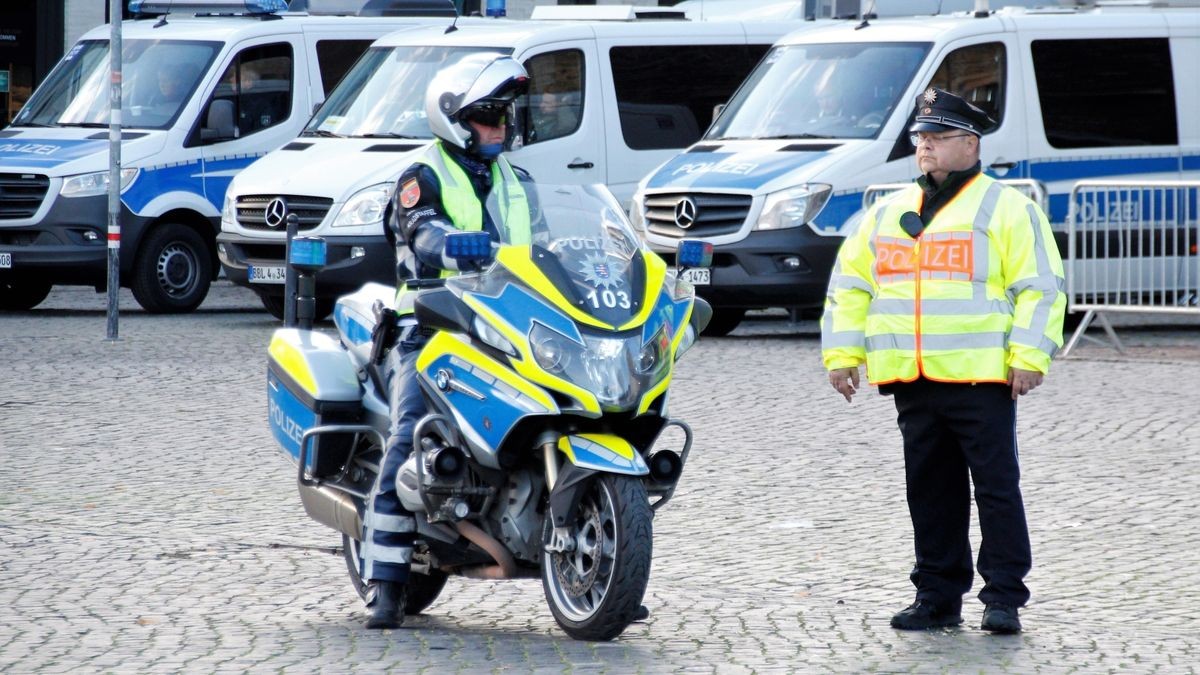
(470, 110)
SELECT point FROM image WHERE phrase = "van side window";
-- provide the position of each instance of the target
(1103, 93)
(334, 58)
(554, 105)
(666, 94)
(259, 82)
(975, 73)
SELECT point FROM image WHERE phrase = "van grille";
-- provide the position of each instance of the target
(21, 194)
(714, 213)
(252, 211)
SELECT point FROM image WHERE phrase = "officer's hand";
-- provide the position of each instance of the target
(1023, 381)
(844, 381)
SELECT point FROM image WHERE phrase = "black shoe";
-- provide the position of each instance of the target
(923, 614)
(642, 613)
(385, 609)
(1001, 619)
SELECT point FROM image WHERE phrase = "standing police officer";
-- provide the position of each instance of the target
(951, 293)
(470, 110)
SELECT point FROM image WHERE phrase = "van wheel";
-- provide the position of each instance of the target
(724, 320)
(172, 271)
(274, 305)
(18, 296)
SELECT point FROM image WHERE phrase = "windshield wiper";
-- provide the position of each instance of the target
(391, 135)
(320, 132)
(87, 125)
(793, 136)
(39, 125)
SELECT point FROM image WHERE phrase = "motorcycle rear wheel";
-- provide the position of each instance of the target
(422, 590)
(595, 591)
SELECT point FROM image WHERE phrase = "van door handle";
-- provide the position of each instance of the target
(580, 165)
(1003, 165)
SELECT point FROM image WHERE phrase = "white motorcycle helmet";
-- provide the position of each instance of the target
(483, 86)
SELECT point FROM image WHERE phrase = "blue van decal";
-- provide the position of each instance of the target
(158, 180)
(738, 171)
(46, 153)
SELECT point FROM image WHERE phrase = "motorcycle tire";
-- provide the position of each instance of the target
(422, 589)
(594, 594)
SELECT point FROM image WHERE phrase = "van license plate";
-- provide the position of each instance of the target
(5, 260)
(272, 274)
(697, 276)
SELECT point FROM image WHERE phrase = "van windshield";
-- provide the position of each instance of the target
(384, 94)
(845, 90)
(158, 77)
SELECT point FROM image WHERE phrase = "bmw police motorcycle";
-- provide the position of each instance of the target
(546, 378)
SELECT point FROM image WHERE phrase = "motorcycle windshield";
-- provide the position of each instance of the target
(582, 242)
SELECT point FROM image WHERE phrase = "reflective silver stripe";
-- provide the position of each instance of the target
(896, 278)
(1046, 281)
(993, 340)
(372, 552)
(935, 306)
(981, 245)
(383, 523)
(848, 282)
(853, 339)
(1039, 341)
(891, 341)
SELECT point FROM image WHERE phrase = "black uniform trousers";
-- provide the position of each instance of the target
(954, 433)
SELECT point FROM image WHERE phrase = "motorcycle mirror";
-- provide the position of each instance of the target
(469, 246)
(694, 253)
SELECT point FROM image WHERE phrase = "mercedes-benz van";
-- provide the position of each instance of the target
(207, 87)
(1104, 91)
(608, 101)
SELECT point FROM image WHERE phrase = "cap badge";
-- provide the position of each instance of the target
(926, 111)
(930, 96)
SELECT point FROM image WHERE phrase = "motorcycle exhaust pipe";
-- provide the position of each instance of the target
(331, 508)
(505, 567)
(665, 466)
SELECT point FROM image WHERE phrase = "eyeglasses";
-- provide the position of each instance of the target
(933, 140)
(487, 115)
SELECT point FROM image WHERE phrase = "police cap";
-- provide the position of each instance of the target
(939, 110)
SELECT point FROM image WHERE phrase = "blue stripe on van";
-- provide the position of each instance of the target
(734, 171)
(1079, 169)
(25, 151)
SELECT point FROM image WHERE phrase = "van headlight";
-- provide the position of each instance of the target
(227, 212)
(793, 207)
(637, 217)
(365, 207)
(93, 184)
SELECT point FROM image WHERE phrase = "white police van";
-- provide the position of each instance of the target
(207, 88)
(608, 101)
(1108, 91)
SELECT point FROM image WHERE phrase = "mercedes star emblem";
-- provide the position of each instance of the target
(685, 213)
(276, 213)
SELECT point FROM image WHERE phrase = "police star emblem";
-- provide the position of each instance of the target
(930, 96)
(598, 270)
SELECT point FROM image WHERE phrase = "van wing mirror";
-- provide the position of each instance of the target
(717, 110)
(219, 125)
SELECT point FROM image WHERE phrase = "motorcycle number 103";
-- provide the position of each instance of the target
(608, 299)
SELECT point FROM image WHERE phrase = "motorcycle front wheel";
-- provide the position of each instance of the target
(422, 589)
(595, 590)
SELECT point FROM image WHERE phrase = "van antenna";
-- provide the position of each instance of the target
(453, 27)
(870, 11)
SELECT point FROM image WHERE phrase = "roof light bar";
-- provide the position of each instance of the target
(209, 6)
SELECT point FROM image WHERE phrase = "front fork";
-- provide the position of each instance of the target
(560, 536)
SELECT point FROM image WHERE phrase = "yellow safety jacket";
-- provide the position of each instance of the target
(980, 290)
(466, 211)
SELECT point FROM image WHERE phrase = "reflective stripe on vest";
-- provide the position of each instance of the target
(465, 210)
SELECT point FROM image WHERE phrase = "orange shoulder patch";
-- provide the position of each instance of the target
(410, 194)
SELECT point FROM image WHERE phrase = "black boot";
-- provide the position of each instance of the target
(642, 613)
(385, 606)
(923, 614)
(1001, 619)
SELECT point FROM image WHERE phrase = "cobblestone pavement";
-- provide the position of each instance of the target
(147, 524)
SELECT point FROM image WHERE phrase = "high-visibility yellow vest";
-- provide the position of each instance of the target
(466, 211)
(980, 290)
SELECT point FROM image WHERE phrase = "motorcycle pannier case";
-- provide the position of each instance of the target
(312, 382)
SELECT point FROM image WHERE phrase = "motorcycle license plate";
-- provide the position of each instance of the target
(268, 274)
(698, 276)
(5, 260)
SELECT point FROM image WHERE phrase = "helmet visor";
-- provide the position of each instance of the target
(487, 114)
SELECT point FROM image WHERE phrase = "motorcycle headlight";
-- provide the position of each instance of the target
(793, 207)
(92, 184)
(492, 337)
(653, 355)
(550, 349)
(365, 207)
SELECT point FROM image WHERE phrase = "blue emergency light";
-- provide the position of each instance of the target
(469, 246)
(694, 253)
(496, 8)
(212, 6)
(307, 253)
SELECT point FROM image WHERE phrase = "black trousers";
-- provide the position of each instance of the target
(954, 433)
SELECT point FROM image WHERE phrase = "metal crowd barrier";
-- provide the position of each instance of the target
(1028, 187)
(1131, 248)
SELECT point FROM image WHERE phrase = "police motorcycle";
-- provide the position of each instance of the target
(546, 378)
